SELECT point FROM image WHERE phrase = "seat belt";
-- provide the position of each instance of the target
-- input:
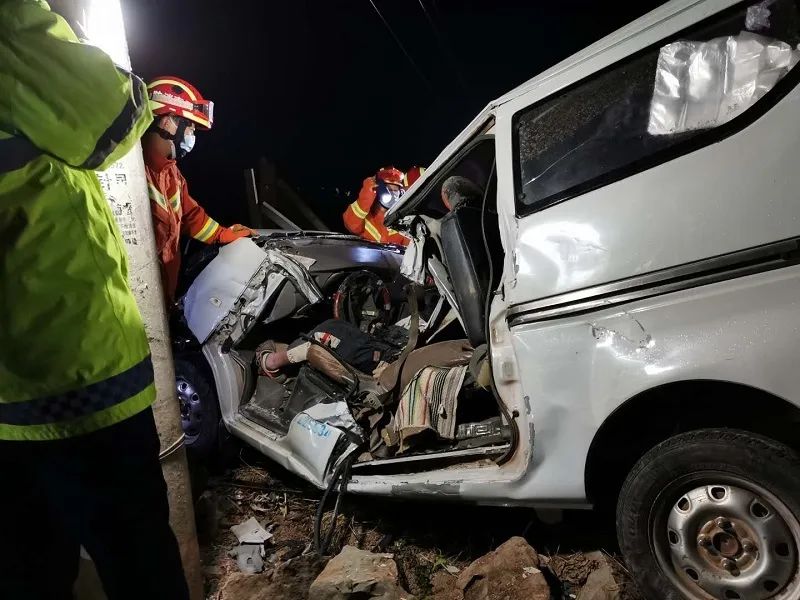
(413, 336)
(16, 152)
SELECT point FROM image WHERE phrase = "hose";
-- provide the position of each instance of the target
(486, 314)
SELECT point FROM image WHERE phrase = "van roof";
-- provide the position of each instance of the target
(662, 22)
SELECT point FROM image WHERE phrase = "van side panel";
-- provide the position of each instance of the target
(577, 370)
(738, 193)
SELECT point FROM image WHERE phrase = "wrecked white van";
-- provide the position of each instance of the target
(630, 268)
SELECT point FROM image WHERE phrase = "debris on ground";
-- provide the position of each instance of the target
(250, 532)
(439, 552)
(290, 580)
(358, 574)
(248, 558)
(570, 569)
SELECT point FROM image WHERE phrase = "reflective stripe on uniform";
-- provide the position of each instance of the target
(157, 196)
(372, 230)
(118, 130)
(79, 403)
(209, 229)
(175, 202)
(359, 212)
(16, 152)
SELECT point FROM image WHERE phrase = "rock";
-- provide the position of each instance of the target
(358, 574)
(443, 586)
(240, 586)
(573, 569)
(602, 583)
(293, 578)
(509, 573)
(290, 580)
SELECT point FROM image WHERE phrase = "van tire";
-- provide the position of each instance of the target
(196, 395)
(662, 484)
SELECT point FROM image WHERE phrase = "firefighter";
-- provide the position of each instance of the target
(78, 442)
(379, 193)
(412, 175)
(179, 111)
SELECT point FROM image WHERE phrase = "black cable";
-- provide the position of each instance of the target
(486, 314)
(402, 47)
(445, 47)
(342, 473)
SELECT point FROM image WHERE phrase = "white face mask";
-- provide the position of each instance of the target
(187, 143)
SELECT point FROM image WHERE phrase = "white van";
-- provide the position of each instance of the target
(632, 265)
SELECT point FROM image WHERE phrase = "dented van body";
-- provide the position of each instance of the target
(631, 269)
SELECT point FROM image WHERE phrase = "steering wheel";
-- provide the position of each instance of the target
(363, 300)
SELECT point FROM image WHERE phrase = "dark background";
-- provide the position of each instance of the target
(324, 90)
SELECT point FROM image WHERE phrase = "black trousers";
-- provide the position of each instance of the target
(104, 491)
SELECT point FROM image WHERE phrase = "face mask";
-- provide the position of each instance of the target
(186, 145)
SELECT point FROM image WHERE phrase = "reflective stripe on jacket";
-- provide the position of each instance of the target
(175, 212)
(363, 218)
(74, 355)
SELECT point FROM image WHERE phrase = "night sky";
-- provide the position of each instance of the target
(324, 90)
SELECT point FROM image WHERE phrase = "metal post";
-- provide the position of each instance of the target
(125, 187)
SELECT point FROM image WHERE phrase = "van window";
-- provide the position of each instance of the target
(671, 98)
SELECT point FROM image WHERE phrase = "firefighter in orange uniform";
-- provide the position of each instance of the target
(179, 109)
(412, 175)
(364, 217)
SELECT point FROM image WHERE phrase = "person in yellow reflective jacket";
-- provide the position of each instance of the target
(78, 444)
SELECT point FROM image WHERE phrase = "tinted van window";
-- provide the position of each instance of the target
(653, 105)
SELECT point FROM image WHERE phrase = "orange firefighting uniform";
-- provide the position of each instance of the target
(175, 212)
(364, 217)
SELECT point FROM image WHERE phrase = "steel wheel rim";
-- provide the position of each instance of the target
(191, 407)
(730, 539)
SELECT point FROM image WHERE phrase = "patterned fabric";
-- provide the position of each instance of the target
(429, 403)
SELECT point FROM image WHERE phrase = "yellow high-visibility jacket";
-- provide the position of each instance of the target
(74, 356)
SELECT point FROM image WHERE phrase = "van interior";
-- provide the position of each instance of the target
(462, 259)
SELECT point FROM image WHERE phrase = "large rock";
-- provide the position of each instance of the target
(509, 573)
(358, 574)
(602, 583)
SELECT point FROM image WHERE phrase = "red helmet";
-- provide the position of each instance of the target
(412, 175)
(172, 95)
(390, 175)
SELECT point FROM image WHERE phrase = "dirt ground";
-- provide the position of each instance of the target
(424, 537)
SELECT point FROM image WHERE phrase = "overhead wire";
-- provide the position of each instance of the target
(400, 44)
(444, 46)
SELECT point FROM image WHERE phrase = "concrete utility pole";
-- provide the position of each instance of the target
(125, 187)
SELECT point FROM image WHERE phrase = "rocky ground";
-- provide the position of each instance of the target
(398, 550)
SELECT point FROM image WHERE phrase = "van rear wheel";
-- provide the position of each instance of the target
(713, 513)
